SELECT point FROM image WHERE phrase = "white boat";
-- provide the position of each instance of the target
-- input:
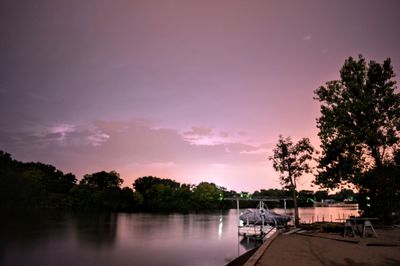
(263, 216)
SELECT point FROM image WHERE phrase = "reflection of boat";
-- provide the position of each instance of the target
(263, 216)
(251, 242)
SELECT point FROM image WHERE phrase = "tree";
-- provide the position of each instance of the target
(305, 198)
(158, 194)
(321, 195)
(292, 161)
(102, 180)
(359, 125)
(205, 196)
(33, 185)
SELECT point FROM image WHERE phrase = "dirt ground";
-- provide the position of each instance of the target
(334, 249)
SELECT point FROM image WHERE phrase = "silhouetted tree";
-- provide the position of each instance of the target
(158, 194)
(345, 194)
(33, 185)
(275, 194)
(42, 186)
(321, 195)
(305, 198)
(359, 126)
(292, 161)
(102, 180)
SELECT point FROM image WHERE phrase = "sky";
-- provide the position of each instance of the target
(188, 90)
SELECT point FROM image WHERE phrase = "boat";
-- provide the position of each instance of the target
(263, 216)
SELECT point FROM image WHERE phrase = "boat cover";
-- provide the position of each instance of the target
(259, 215)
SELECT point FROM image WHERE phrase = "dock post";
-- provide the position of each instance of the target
(238, 213)
(284, 204)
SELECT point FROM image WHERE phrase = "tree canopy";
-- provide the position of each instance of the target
(102, 180)
(359, 122)
(38, 186)
(292, 161)
(359, 128)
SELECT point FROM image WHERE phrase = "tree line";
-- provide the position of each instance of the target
(42, 186)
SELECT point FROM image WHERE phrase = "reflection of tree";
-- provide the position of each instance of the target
(97, 229)
(29, 229)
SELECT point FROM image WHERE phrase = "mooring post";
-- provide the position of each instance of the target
(284, 204)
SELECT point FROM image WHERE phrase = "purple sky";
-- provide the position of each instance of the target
(189, 90)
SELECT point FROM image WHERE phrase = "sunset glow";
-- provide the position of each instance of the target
(188, 90)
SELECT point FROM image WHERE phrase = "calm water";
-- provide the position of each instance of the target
(129, 239)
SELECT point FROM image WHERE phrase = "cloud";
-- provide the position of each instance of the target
(62, 129)
(263, 149)
(134, 148)
(54, 136)
(199, 131)
(203, 136)
(161, 164)
(307, 38)
(223, 134)
(98, 138)
(256, 151)
(219, 165)
(206, 136)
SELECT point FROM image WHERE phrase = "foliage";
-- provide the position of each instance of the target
(274, 194)
(380, 192)
(321, 195)
(162, 194)
(40, 186)
(206, 195)
(345, 194)
(292, 161)
(168, 195)
(306, 198)
(102, 180)
(102, 191)
(359, 127)
(33, 185)
(359, 123)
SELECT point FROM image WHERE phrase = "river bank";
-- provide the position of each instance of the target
(330, 249)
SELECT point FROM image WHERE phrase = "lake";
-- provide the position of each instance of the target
(131, 239)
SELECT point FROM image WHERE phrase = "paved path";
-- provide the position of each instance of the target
(322, 249)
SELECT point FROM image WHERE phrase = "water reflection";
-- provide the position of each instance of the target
(250, 242)
(27, 229)
(98, 230)
(220, 226)
(127, 239)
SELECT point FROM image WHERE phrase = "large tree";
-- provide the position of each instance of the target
(292, 161)
(359, 124)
